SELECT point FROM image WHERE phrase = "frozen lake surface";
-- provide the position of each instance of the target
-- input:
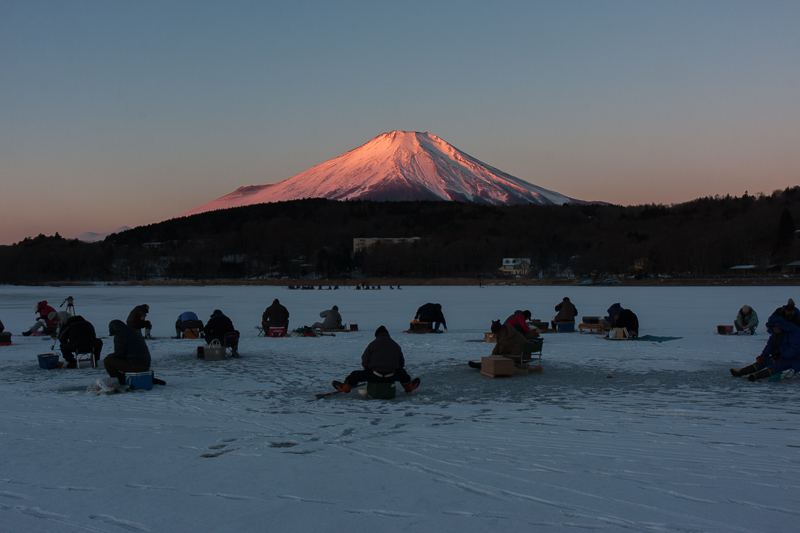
(628, 436)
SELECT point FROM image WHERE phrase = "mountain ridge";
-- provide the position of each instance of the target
(397, 166)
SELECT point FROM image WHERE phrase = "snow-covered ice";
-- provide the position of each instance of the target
(669, 442)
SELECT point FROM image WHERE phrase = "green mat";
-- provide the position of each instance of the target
(653, 338)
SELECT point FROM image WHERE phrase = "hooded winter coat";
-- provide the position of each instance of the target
(613, 311)
(784, 345)
(137, 318)
(333, 320)
(276, 316)
(44, 311)
(218, 325)
(518, 321)
(509, 341)
(747, 321)
(431, 313)
(383, 354)
(794, 318)
(128, 344)
(566, 312)
(78, 330)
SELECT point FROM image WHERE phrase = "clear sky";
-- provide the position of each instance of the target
(129, 113)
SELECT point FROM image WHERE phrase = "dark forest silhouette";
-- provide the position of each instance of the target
(704, 237)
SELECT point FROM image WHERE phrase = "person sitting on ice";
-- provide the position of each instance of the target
(565, 313)
(218, 326)
(333, 320)
(44, 320)
(383, 362)
(5, 336)
(613, 313)
(781, 352)
(789, 313)
(746, 320)
(188, 320)
(79, 336)
(627, 319)
(519, 321)
(130, 352)
(137, 319)
(431, 313)
(275, 316)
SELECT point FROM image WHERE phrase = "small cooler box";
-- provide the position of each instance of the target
(139, 380)
(276, 332)
(381, 391)
(725, 330)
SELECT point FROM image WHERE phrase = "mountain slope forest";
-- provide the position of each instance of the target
(314, 238)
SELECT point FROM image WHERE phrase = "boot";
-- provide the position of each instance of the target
(761, 374)
(26, 333)
(755, 367)
(342, 387)
(411, 385)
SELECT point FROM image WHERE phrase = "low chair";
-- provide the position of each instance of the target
(232, 343)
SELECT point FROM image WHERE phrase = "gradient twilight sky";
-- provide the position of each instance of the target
(129, 113)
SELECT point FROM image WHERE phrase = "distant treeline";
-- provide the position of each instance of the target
(315, 237)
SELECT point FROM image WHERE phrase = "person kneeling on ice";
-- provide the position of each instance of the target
(43, 310)
(383, 362)
(188, 320)
(431, 313)
(131, 353)
(79, 336)
(519, 320)
(137, 319)
(782, 351)
(746, 320)
(333, 320)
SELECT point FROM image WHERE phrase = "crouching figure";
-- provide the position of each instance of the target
(782, 351)
(383, 362)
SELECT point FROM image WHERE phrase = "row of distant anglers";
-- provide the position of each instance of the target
(516, 341)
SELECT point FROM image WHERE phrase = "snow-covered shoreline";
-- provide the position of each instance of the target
(669, 442)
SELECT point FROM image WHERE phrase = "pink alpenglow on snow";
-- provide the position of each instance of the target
(397, 166)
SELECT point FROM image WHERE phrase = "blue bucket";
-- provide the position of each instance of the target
(48, 361)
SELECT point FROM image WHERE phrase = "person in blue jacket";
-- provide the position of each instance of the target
(782, 351)
(187, 320)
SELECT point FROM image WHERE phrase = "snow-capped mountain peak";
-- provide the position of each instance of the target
(396, 166)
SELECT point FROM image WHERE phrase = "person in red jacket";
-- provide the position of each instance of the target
(43, 310)
(519, 320)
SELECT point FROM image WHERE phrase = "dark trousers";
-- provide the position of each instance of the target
(70, 348)
(117, 368)
(360, 376)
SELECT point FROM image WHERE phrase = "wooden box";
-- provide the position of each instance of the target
(494, 366)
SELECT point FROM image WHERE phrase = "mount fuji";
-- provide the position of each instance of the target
(397, 166)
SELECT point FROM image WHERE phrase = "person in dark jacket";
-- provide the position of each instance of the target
(275, 316)
(218, 326)
(130, 351)
(519, 321)
(431, 313)
(333, 320)
(613, 312)
(746, 320)
(383, 362)
(5, 336)
(188, 320)
(79, 336)
(565, 313)
(627, 319)
(781, 352)
(788, 312)
(43, 310)
(137, 319)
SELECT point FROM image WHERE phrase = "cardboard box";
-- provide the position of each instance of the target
(494, 365)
